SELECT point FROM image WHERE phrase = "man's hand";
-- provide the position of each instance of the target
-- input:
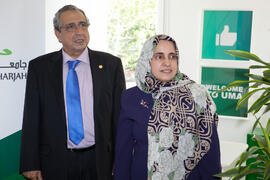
(33, 175)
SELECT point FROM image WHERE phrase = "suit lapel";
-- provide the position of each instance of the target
(56, 78)
(96, 77)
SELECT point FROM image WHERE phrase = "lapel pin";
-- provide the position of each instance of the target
(144, 104)
(100, 66)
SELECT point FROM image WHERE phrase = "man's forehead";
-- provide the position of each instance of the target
(72, 16)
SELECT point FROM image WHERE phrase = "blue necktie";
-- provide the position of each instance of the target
(75, 123)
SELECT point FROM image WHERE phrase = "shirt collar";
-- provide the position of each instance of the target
(84, 57)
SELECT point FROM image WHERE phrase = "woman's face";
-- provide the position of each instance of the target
(164, 61)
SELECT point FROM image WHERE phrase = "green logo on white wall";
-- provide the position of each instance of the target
(6, 52)
(226, 30)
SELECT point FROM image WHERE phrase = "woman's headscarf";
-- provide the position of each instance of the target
(145, 80)
(143, 65)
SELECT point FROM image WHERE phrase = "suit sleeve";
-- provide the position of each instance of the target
(124, 144)
(29, 158)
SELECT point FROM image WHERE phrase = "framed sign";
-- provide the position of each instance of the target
(225, 30)
(215, 79)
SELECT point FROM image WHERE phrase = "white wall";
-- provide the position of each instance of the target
(23, 33)
(183, 21)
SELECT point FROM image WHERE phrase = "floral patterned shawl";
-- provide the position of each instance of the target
(181, 120)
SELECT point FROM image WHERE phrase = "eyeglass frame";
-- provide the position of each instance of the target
(71, 27)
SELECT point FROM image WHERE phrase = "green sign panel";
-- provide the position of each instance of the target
(215, 79)
(226, 30)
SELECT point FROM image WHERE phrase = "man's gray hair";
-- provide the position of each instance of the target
(56, 20)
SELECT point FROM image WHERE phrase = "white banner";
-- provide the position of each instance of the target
(22, 38)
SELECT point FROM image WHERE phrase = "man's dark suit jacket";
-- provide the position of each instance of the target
(44, 131)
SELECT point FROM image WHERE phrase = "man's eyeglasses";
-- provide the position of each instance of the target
(71, 27)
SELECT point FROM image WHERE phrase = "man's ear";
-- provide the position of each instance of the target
(58, 35)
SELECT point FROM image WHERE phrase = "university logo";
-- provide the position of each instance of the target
(7, 71)
(5, 52)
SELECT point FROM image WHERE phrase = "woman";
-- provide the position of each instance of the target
(167, 127)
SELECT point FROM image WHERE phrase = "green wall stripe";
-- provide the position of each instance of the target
(15, 176)
(10, 156)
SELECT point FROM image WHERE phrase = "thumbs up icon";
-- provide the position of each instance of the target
(226, 38)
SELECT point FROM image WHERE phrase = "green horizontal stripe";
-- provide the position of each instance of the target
(15, 176)
(10, 156)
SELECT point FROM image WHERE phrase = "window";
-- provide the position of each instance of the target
(129, 24)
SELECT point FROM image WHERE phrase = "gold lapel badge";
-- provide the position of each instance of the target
(100, 66)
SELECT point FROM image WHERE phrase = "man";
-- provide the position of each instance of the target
(70, 111)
